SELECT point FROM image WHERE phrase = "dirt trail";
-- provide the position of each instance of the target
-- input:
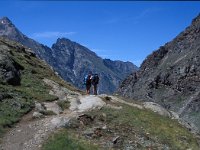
(29, 133)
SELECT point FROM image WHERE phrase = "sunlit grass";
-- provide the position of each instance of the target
(66, 141)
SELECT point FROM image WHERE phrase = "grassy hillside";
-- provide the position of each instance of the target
(18, 100)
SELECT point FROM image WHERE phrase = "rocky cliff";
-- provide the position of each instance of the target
(170, 76)
(72, 60)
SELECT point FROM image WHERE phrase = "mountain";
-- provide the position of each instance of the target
(76, 60)
(170, 76)
(72, 60)
(39, 110)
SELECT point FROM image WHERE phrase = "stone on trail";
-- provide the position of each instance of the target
(39, 107)
(53, 106)
(85, 103)
(59, 121)
(37, 115)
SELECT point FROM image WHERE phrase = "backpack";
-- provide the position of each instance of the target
(95, 79)
(87, 79)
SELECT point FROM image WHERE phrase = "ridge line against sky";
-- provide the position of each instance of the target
(127, 31)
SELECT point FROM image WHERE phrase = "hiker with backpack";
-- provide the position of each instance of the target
(88, 82)
(95, 81)
(91, 79)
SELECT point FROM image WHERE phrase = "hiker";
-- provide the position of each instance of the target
(87, 82)
(95, 81)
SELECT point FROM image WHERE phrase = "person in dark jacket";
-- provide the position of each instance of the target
(95, 81)
(88, 82)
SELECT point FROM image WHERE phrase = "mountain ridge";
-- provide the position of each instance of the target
(66, 50)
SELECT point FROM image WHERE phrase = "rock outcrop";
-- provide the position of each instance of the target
(9, 69)
(170, 76)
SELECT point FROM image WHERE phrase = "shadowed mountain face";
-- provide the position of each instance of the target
(72, 60)
(170, 76)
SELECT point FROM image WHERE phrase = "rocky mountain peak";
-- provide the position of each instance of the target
(69, 46)
(5, 21)
(6, 25)
(63, 40)
(63, 44)
(8, 29)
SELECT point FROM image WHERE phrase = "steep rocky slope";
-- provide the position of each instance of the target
(72, 60)
(170, 76)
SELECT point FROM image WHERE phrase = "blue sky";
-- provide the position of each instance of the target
(118, 30)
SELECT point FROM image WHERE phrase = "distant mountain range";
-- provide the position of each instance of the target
(170, 76)
(72, 60)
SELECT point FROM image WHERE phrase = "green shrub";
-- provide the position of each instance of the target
(48, 112)
(63, 104)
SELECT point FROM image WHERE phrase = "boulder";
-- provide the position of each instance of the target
(59, 121)
(37, 115)
(156, 108)
(39, 107)
(53, 106)
(86, 103)
(9, 69)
